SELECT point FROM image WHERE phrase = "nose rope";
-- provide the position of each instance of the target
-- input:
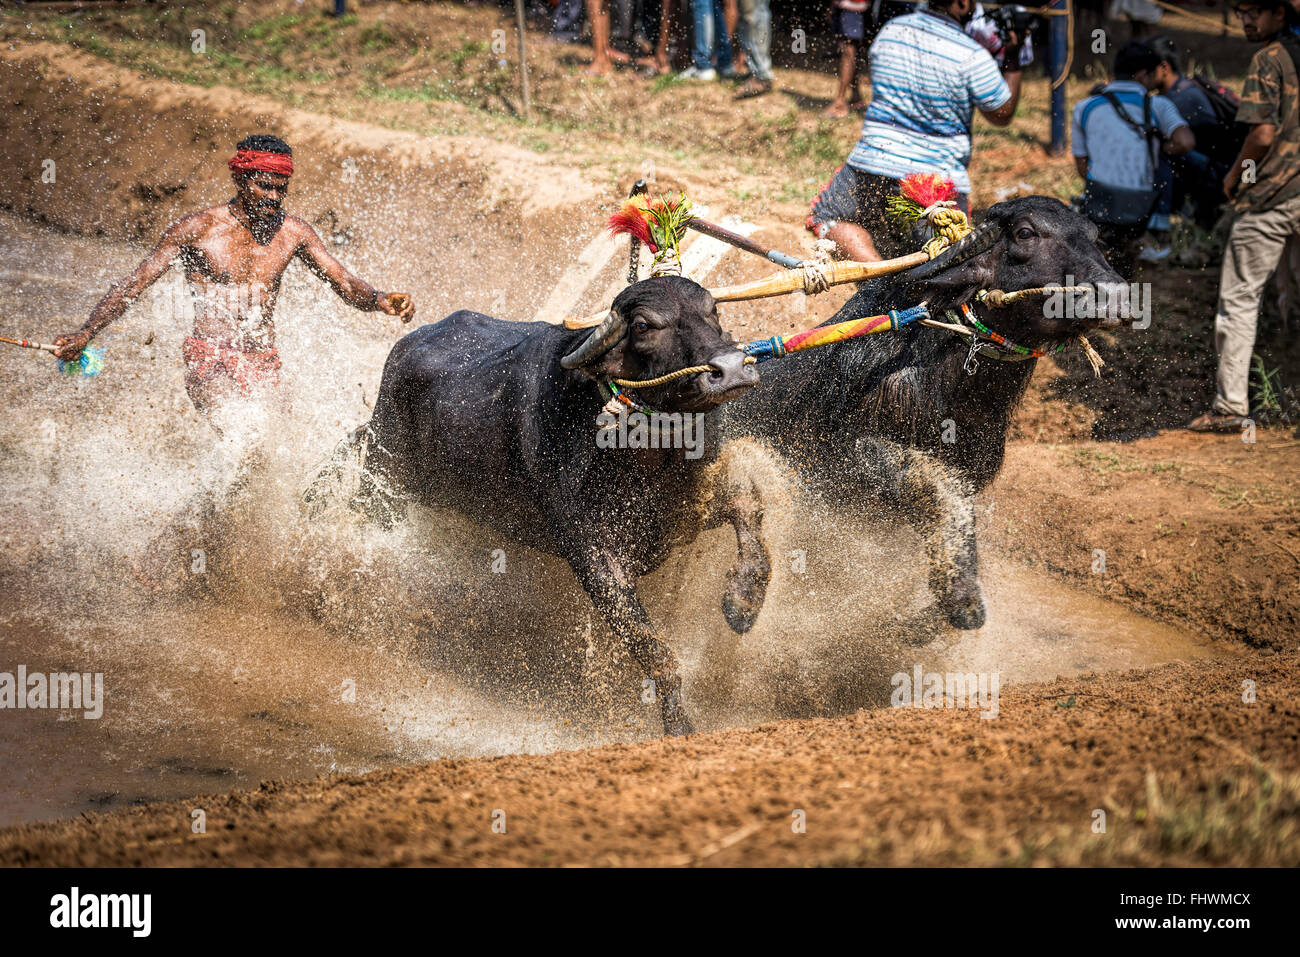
(670, 377)
(997, 299)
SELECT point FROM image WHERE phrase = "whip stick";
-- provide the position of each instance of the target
(28, 344)
(774, 256)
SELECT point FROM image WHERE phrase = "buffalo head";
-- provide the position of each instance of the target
(1026, 243)
(658, 326)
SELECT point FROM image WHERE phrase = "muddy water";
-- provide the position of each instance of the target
(292, 648)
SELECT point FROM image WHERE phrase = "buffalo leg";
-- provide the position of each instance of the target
(613, 592)
(747, 579)
(374, 498)
(936, 502)
(738, 482)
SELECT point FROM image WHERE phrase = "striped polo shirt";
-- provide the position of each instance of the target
(927, 79)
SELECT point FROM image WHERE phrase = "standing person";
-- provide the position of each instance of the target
(756, 43)
(731, 20)
(848, 17)
(1117, 138)
(710, 37)
(670, 32)
(927, 78)
(1264, 186)
(604, 53)
(234, 256)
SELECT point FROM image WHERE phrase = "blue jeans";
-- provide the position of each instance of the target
(756, 36)
(1164, 183)
(569, 15)
(706, 16)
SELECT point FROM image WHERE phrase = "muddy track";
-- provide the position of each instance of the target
(1160, 752)
(1198, 532)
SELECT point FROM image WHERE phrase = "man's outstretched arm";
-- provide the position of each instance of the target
(353, 290)
(120, 297)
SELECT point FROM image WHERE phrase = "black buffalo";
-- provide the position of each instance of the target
(898, 417)
(498, 421)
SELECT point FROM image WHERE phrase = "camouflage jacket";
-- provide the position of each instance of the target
(1272, 95)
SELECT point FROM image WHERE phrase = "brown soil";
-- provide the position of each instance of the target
(1199, 530)
(1185, 772)
(1202, 532)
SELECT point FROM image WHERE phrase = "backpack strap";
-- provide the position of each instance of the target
(1147, 129)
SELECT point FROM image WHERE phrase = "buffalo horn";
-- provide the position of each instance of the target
(598, 343)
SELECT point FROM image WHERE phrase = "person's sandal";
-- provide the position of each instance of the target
(753, 87)
(1216, 422)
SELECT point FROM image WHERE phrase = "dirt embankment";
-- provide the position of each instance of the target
(1172, 763)
(1201, 531)
(452, 218)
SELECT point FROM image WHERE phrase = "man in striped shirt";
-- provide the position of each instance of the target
(927, 80)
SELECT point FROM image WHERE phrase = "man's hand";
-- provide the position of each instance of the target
(397, 304)
(70, 346)
(1011, 49)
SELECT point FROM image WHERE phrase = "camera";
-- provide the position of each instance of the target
(1022, 22)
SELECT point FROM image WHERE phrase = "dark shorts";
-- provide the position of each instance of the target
(850, 24)
(853, 196)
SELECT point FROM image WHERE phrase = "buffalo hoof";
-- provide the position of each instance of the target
(676, 723)
(740, 614)
(968, 615)
(743, 597)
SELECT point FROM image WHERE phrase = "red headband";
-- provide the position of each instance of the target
(259, 161)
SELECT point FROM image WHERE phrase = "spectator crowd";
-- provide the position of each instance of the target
(1153, 143)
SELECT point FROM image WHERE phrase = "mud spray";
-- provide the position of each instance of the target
(296, 647)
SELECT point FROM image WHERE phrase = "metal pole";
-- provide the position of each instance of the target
(1057, 59)
(340, 7)
(523, 61)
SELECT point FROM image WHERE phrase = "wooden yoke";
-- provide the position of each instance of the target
(791, 280)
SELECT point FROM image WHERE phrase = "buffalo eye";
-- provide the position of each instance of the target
(1024, 232)
(640, 325)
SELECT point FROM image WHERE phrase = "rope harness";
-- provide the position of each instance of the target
(949, 225)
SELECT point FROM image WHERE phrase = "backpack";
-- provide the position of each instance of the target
(1222, 100)
(1222, 140)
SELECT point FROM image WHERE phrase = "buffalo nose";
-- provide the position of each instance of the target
(729, 371)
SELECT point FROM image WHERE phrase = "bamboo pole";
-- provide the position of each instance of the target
(787, 281)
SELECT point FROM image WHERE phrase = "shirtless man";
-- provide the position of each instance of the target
(234, 256)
